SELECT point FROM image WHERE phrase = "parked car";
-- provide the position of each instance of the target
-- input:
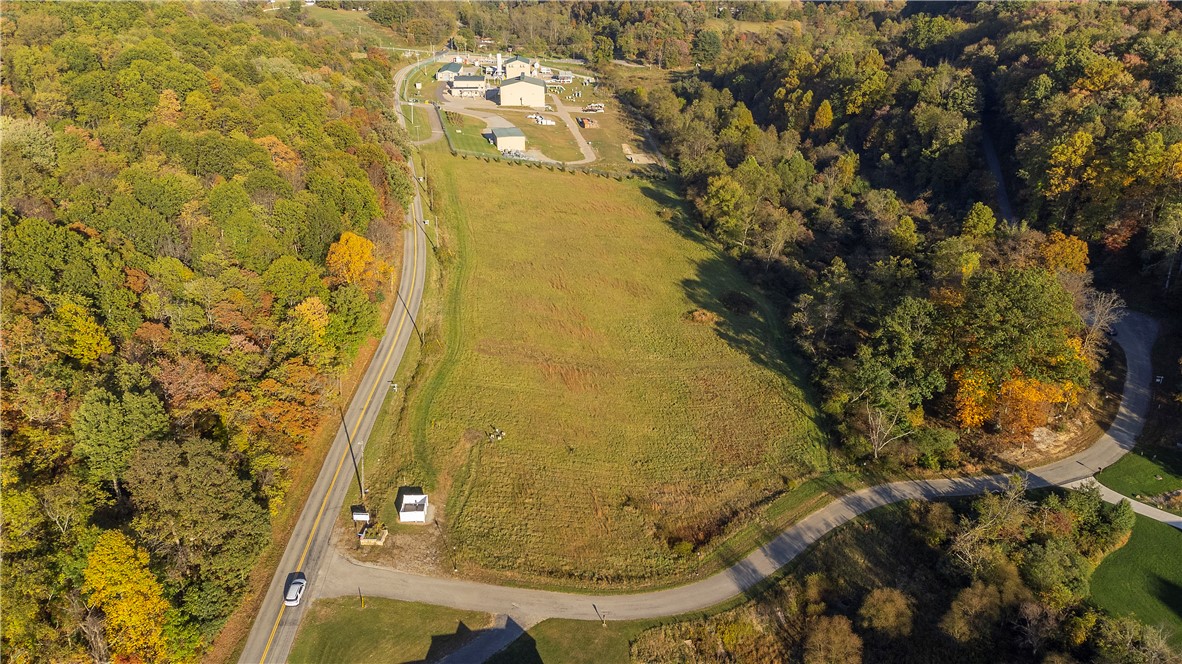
(296, 583)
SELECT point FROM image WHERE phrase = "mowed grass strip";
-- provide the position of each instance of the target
(467, 134)
(630, 424)
(1137, 475)
(339, 630)
(555, 141)
(1143, 578)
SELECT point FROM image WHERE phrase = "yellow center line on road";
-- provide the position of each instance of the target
(340, 464)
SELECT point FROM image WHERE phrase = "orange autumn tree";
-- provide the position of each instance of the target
(1025, 403)
(351, 261)
(974, 397)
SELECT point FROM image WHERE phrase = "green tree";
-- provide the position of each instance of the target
(602, 50)
(293, 280)
(194, 510)
(726, 208)
(979, 222)
(108, 429)
(352, 320)
(707, 46)
(887, 611)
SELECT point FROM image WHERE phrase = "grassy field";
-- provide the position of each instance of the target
(418, 125)
(1136, 475)
(573, 642)
(1144, 579)
(629, 426)
(555, 141)
(339, 630)
(467, 133)
(359, 25)
(616, 126)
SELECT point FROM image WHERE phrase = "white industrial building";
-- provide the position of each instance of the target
(523, 91)
(468, 86)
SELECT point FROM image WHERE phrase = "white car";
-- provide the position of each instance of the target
(295, 589)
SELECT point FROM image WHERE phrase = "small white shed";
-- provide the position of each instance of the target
(412, 506)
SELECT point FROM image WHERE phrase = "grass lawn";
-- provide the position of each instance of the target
(616, 127)
(467, 133)
(1144, 579)
(555, 141)
(629, 424)
(418, 125)
(339, 630)
(573, 642)
(1135, 475)
(424, 75)
(355, 24)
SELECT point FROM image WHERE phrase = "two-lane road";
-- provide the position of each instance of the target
(275, 626)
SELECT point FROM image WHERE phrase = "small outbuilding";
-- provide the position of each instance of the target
(449, 72)
(508, 138)
(523, 91)
(412, 505)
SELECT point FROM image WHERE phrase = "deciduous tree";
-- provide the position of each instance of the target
(351, 261)
(117, 581)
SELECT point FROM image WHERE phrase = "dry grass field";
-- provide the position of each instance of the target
(633, 427)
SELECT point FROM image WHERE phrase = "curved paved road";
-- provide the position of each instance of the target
(309, 548)
(527, 606)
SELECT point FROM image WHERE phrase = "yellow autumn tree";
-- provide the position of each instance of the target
(351, 261)
(314, 314)
(168, 108)
(117, 581)
(1067, 166)
(974, 397)
(76, 333)
(823, 118)
(1065, 252)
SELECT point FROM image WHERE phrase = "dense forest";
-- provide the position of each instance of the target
(1005, 579)
(843, 158)
(200, 203)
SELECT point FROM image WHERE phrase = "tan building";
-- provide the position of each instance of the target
(508, 138)
(517, 66)
(523, 91)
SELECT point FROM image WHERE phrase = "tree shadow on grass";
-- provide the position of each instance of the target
(1168, 593)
